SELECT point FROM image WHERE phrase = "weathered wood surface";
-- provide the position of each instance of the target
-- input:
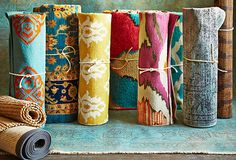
(134, 157)
(225, 80)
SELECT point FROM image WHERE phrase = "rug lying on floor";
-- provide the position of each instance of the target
(122, 134)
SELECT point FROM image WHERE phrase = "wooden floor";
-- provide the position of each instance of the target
(134, 157)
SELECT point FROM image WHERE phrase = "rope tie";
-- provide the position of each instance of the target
(63, 53)
(98, 62)
(226, 29)
(25, 76)
(126, 60)
(213, 61)
(144, 70)
(200, 61)
(93, 64)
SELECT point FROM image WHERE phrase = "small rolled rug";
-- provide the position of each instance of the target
(19, 135)
(94, 46)
(154, 90)
(62, 57)
(27, 56)
(177, 61)
(124, 59)
(22, 111)
(22, 141)
(201, 27)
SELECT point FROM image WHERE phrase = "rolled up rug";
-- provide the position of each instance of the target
(62, 57)
(201, 27)
(225, 79)
(124, 59)
(177, 61)
(24, 142)
(22, 111)
(27, 56)
(94, 46)
(154, 89)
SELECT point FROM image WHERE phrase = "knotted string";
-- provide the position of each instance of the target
(98, 62)
(25, 76)
(144, 70)
(127, 60)
(213, 61)
(93, 63)
(226, 29)
(200, 61)
(64, 55)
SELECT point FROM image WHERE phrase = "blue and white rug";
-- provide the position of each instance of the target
(122, 134)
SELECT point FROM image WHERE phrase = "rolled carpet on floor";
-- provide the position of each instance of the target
(19, 135)
(94, 46)
(124, 59)
(24, 142)
(22, 111)
(201, 27)
(177, 50)
(155, 89)
(62, 57)
(27, 56)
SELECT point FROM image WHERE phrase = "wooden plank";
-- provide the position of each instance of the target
(4, 65)
(225, 80)
(133, 157)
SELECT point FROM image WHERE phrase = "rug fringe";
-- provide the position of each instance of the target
(55, 152)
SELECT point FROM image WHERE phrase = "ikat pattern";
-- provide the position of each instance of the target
(154, 89)
(177, 59)
(91, 32)
(94, 65)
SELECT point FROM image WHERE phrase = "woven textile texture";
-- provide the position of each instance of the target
(25, 142)
(19, 133)
(62, 67)
(21, 111)
(154, 89)
(225, 80)
(94, 46)
(27, 56)
(201, 27)
(124, 59)
(177, 61)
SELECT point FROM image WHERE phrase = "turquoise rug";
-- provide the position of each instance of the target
(123, 135)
